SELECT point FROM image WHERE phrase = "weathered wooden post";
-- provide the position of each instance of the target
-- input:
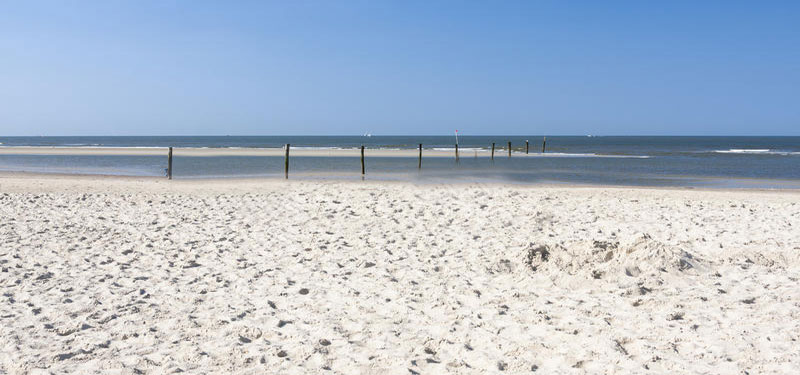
(492, 150)
(362, 161)
(286, 163)
(526, 147)
(169, 164)
(509, 148)
(456, 151)
(544, 142)
(419, 166)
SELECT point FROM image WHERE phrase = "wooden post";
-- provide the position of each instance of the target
(544, 142)
(456, 151)
(286, 163)
(509, 148)
(492, 150)
(419, 166)
(362, 161)
(169, 164)
(526, 147)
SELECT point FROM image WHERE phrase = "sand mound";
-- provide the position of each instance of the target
(641, 257)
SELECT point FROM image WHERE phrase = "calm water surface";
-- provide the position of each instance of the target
(763, 162)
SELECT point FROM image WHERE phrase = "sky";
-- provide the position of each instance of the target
(399, 67)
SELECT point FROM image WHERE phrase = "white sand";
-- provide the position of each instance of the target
(193, 151)
(128, 275)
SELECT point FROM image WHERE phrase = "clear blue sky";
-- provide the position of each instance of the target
(400, 67)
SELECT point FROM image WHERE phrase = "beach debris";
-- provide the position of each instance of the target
(632, 271)
(675, 316)
(619, 344)
(537, 255)
(248, 334)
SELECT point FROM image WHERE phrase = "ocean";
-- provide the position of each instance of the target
(729, 162)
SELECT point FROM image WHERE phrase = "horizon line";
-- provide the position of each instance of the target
(407, 135)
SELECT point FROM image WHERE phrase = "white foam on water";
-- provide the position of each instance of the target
(592, 155)
(500, 152)
(756, 151)
(744, 151)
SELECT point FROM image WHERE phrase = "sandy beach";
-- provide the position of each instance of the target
(138, 275)
(245, 151)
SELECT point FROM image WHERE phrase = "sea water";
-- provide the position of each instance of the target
(759, 162)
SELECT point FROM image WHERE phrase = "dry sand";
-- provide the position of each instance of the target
(131, 275)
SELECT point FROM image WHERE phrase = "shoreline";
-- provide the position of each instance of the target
(199, 152)
(294, 152)
(213, 182)
(537, 169)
